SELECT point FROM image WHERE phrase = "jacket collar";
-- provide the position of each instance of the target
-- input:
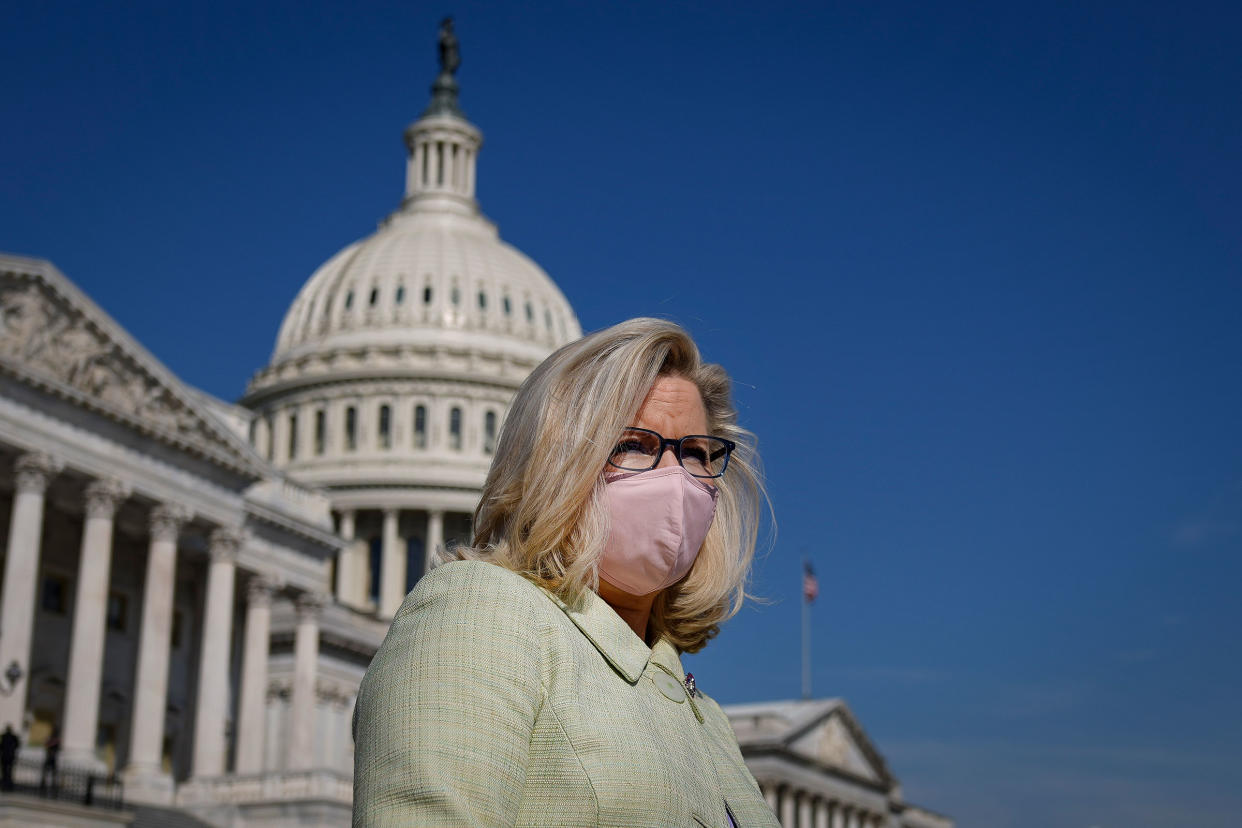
(616, 642)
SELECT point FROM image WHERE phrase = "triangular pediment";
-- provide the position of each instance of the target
(832, 742)
(54, 337)
(822, 732)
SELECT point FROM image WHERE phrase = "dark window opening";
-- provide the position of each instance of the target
(455, 429)
(385, 426)
(351, 428)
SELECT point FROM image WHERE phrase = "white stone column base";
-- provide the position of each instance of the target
(85, 761)
(148, 786)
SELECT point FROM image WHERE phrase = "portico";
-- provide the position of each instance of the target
(133, 518)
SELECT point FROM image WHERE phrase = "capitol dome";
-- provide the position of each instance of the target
(397, 360)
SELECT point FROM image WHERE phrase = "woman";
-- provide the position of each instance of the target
(537, 680)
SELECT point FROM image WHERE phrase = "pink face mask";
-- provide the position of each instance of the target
(659, 520)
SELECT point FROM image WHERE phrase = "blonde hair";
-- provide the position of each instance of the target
(542, 512)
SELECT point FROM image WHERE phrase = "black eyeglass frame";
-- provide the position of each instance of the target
(665, 442)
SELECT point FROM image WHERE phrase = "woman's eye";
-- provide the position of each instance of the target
(694, 453)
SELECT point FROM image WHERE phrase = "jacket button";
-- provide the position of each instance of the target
(670, 687)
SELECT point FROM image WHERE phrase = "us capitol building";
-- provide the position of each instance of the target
(192, 589)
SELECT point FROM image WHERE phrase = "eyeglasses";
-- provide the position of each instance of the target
(640, 449)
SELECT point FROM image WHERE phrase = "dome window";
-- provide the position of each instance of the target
(427, 295)
(349, 300)
(455, 429)
(351, 429)
(482, 300)
(400, 297)
(547, 319)
(374, 297)
(530, 313)
(293, 436)
(455, 296)
(385, 427)
(420, 426)
(321, 431)
(508, 306)
(489, 432)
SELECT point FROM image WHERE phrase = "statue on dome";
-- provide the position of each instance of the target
(450, 55)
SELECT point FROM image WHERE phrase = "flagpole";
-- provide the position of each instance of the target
(806, 641)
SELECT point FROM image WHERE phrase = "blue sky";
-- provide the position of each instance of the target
(975, 269)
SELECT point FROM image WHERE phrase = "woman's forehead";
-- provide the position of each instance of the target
(673, 407)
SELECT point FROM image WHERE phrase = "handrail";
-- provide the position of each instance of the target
(67, 784)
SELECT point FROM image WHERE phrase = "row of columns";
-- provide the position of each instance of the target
(436, 166)
(353, 565)
(81, 715)
(801, 809)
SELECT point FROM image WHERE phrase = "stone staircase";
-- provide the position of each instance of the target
(150, 816)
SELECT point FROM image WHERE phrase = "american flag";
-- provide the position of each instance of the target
(810, 586)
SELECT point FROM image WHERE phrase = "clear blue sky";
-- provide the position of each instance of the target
(974, 267)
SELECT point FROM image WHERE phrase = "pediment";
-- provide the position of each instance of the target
(54, 337)
(832, 742)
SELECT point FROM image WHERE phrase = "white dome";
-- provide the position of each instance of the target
(435, 278)
(426, 279)
(395, 365)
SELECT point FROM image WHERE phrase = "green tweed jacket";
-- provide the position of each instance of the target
(492, 703)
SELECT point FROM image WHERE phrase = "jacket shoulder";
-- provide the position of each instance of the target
(476, 585)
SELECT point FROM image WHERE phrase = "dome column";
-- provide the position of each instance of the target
(435, 538)
(392, 566)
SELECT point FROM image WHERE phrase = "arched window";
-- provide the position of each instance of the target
(321, 430)
(489, 432)
(351, 429)
(349, 300)
(455, 296)
(374, 300)
(455, 429)
(293, 436)
(482, 300)
(420, 426)
(400, 297)
(385, 427)
(427, 295)
(530, 312)
(508, 306)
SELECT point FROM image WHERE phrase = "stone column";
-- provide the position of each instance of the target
(821, 813)
(392, 576)
(789, 804)
(346, 568)
(145, 780)
(845, 816)
(90, 616)
(305, 659)
(212, 706)
(435, 539)
(252, 706)
(804, 810)
(21, 579)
